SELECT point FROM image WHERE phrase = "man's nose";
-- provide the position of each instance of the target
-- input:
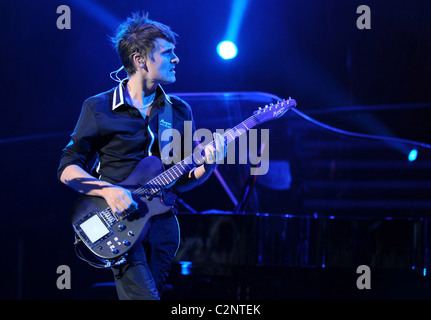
(175, 60)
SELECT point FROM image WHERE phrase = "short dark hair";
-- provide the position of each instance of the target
(137, 35)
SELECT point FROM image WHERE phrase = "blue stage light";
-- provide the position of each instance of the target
(413, 155)
(186, 267)
(227, 50)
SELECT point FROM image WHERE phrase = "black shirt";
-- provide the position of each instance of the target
(118, 137)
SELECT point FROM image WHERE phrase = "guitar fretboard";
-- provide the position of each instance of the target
(167, 177)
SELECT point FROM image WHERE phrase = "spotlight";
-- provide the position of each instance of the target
(186, 267)
(227, 50)
(413, 155)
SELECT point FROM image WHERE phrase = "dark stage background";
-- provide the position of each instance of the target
(375, 82)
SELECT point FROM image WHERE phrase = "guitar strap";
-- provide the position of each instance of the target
(165, 126)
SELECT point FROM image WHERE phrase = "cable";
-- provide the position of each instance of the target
(116, 72)
(348, 133)
(91, 263)
(360, 135)
(106, 263)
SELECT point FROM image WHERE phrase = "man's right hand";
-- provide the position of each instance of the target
(119, 199)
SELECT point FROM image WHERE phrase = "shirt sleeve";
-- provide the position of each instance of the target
(82, 146)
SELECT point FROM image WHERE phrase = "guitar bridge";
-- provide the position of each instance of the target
(108, 217)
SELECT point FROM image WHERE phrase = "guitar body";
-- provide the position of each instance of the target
(108, 236)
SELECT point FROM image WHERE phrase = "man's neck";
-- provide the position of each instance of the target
(140, 89)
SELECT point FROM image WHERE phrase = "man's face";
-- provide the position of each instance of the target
(161, 63)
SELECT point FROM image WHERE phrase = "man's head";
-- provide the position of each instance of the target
(144, 43)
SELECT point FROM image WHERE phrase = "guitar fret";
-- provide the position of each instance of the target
(155, 184)
(233, 138)
(173, 174)
(184, 166)
(167, 176)
(169, 172)
(152, 185)
(163, 176)
(178, 174)
(181, 165)
(161, 180)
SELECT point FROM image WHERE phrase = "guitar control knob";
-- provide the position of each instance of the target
(130, 233)
(121, 227)
(126, 242)
(114, 250)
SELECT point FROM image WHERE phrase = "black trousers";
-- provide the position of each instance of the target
(144, 274)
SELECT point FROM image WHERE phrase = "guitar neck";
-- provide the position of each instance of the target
(228, 136)
(166, 178)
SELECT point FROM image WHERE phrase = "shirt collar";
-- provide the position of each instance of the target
(119, 94)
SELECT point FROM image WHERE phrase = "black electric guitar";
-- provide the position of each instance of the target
(110, 236)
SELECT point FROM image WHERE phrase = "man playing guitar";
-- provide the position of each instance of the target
(121, 127)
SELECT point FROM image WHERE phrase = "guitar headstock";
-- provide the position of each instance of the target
(274, 111)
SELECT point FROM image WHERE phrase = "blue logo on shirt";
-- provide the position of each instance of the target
(165, 123)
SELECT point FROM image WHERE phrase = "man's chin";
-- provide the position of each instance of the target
(168, 81)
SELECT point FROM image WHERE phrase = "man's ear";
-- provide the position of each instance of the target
(139, 61)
